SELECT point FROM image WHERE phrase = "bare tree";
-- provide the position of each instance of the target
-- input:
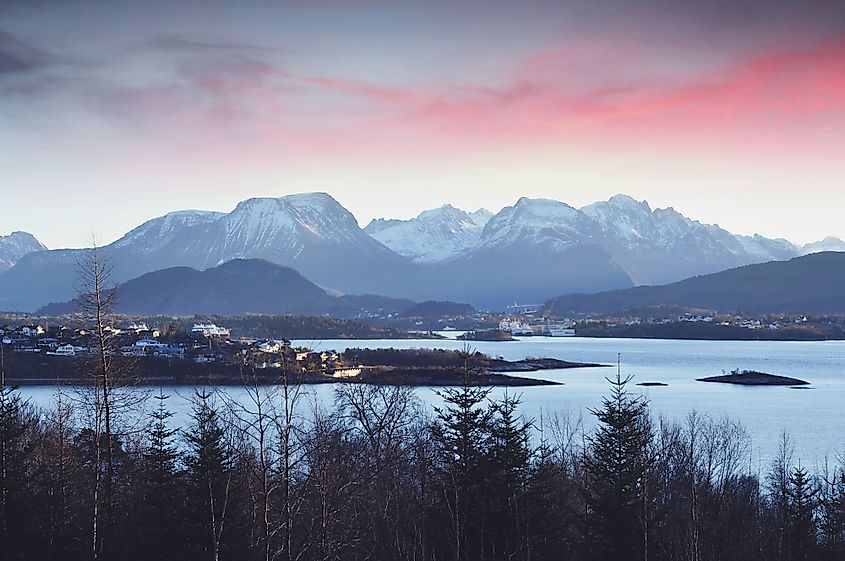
(384, 422)
(292, 457)
(95, 300)
(270, 443)
(60, 470)
(101, 395)
(253, 415)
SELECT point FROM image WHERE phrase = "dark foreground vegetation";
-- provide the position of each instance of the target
(271, 476)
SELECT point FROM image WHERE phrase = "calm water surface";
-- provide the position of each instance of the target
(814, 418)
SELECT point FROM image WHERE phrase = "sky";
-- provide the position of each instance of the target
(114, 112)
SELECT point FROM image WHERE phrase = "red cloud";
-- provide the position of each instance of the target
(552, 96)
(582, 94)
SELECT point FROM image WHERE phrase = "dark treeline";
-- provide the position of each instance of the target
(416, 358)
(371, 476)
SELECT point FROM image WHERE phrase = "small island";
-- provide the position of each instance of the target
(754, 378)
(487, 335)
(653, 384)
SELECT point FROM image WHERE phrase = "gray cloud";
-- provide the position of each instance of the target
(183, 43)
(18, 57)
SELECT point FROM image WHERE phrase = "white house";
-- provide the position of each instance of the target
(272, 347)
(346, 373)
(64, 350)
(209, 330)
(49, 343)
(32, 330)
(150, 344)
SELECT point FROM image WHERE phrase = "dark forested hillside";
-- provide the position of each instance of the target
(811, 284)
(236, 288)
(435, 309)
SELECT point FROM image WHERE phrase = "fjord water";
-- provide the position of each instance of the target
(814, 418)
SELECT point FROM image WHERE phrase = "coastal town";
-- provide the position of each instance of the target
(204, 343)
(210, 353)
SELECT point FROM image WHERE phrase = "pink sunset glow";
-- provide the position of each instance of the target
(721, 117)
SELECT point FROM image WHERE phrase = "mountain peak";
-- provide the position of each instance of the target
(257, 202)
(539, 222)
(290, 221)
(19, 234)
(628, 202)
(316, 200)
(833, 239)
(543, 207)
(830, 243)
(435, 235)
(445, 210)
(158, 231)
(17, 245)
(481, 217)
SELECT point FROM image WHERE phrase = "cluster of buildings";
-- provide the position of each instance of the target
(204, 343)
(765, 322)
(41, 339)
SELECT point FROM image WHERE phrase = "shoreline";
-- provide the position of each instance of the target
(488, 373)
(396, 378)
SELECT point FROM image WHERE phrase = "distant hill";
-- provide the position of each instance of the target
(238, 287)
(435, 309)
(810, 284)
(360, 305)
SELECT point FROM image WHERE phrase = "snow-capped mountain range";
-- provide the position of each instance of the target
(434, 236)
(16, 245)
(655, 246)
(828, 244)
(527, 252)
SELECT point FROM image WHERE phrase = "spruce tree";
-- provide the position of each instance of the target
(617, 469)
(208, 460)
(801, 516)
(832, 516)
(159, 493)
(509, 467)
(462, 435)
(16, 481)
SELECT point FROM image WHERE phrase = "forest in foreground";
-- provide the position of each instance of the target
(373, 476)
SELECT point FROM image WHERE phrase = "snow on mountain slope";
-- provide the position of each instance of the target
(434, 236)
(634, 222)
(634, 225)
(828, 244)
(543, 222)
(662, 245)
(535, 247)
(155, 233)
(766, 249)
(280, 230)
(653, 246)
(310, 232)
(481, 217)
(16, 245)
